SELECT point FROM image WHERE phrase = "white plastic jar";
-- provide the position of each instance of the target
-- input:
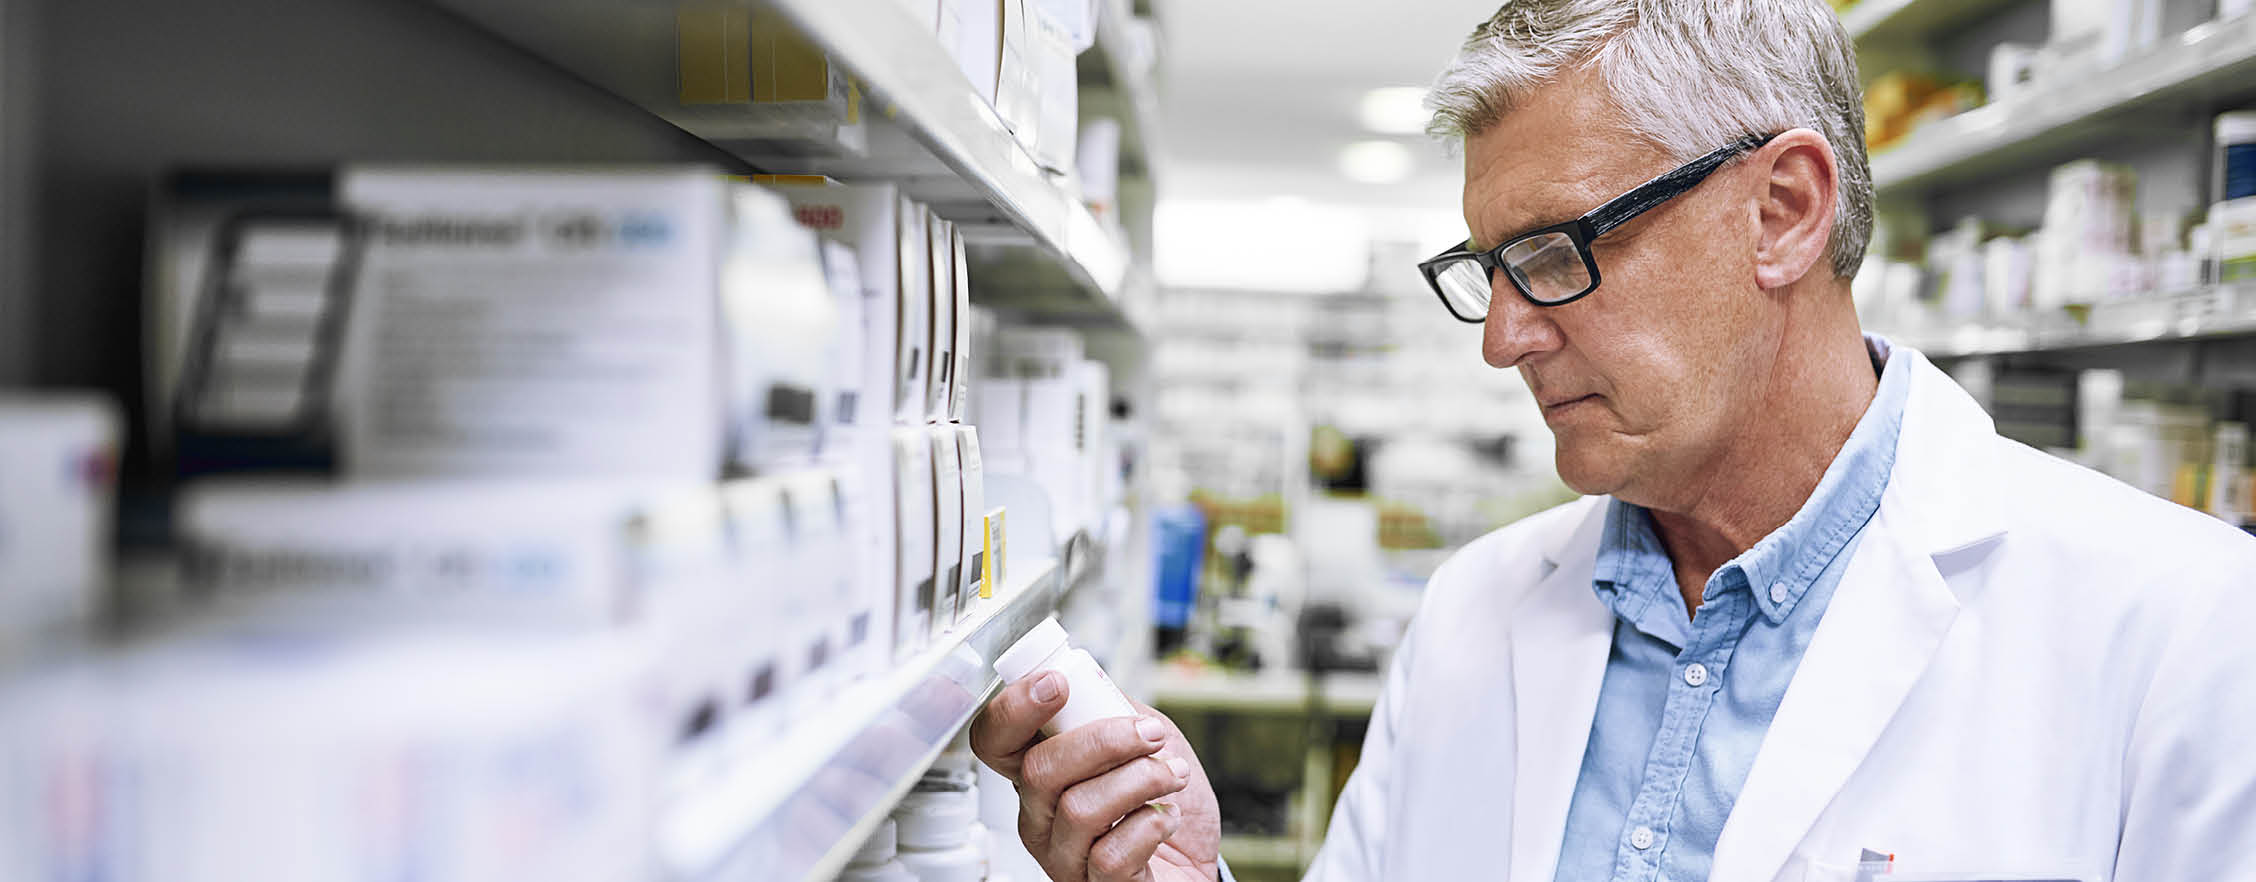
(1090, 696)
(875, 862)
(935, 820)
(964, 863)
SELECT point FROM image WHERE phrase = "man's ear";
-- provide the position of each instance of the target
(1795, 203)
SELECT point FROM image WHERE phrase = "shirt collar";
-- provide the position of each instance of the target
(1633, 567)
(1633, 576)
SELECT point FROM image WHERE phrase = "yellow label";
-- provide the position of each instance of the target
(992, 545)
(714, 55)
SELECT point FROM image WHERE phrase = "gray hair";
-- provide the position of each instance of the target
(1687, 75)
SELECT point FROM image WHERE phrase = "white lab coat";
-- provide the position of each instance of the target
(2028, 668)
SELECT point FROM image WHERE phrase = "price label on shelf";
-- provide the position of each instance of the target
(992, 551)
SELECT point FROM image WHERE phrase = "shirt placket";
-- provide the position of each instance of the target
(1694, 682)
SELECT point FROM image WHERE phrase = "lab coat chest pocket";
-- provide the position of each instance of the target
(1803, 868)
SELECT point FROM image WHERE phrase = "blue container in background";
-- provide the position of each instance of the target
(1179, 539)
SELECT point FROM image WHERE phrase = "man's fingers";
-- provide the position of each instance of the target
(1125, 853)
(1011, 723)
(1050, 768)
(1088, 809)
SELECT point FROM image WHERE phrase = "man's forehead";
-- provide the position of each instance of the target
(1559, 152)
(1512, 186)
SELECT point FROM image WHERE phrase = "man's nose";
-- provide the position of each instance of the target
(1516, 330)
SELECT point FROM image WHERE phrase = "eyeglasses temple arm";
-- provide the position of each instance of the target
(1647, 196)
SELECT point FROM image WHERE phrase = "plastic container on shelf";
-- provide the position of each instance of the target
(936, 819)
(2232, 221)
(1091, 695)
(963, 863)
(58, 467)
(875, 861)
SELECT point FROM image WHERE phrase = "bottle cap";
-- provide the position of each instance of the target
(933, 820)
(2237, 127)
(1021, 660)
(878, 848)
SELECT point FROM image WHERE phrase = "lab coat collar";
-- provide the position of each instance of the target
(1883, 627)
(1879, 633)
(1944, 474)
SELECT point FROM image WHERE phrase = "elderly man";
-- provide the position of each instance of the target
(1813, 605)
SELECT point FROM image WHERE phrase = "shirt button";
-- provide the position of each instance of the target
(1641, 838)
(1695, 674)
(1778, 593)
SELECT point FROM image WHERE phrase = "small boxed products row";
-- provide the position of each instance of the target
(242, 758)
(774, 586)
(443, 322)
(1018, 56)
(1044, 410)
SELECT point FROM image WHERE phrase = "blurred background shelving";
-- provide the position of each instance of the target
(1230, 430)
(1045, 173)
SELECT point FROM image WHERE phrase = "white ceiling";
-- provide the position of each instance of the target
(1260, 96)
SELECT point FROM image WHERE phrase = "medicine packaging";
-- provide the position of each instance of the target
(58, 480)
(972, 508)
(915, 541)
(329, 556)
(947, 518)
(941, 306)
(523, 323)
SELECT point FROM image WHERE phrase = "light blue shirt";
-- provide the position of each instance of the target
(1687, 699)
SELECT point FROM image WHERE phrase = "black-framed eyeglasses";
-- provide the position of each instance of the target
(1553, 266)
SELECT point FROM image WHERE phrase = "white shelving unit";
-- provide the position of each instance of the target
(932, 134)
(2050, 124)
(1880, 20)
(1134, 93)
(1265, 852)
(801, 810)
(2197, 315)
(508, 82)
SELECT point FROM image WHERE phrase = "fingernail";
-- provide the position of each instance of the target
(1179, 767)
(1046, 686)
(1151, 730)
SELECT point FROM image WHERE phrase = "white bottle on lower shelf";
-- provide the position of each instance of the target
(941, 839)
(876, 862)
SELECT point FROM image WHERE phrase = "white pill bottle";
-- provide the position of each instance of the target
(1090, 695)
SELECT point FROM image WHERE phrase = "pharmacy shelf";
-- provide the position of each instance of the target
(802, 806)
(2199, 71)
(1885, 20)
(1134, 97)
(1263, 852)
(1351, 694)
(1271, 692)
(934, 135)
(2214, 313)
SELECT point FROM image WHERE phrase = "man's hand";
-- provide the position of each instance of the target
(1082, 796)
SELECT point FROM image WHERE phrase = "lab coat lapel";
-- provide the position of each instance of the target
(1560, 636)
(1883, 627)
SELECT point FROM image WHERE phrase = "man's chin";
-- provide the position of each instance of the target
(1590, 472)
